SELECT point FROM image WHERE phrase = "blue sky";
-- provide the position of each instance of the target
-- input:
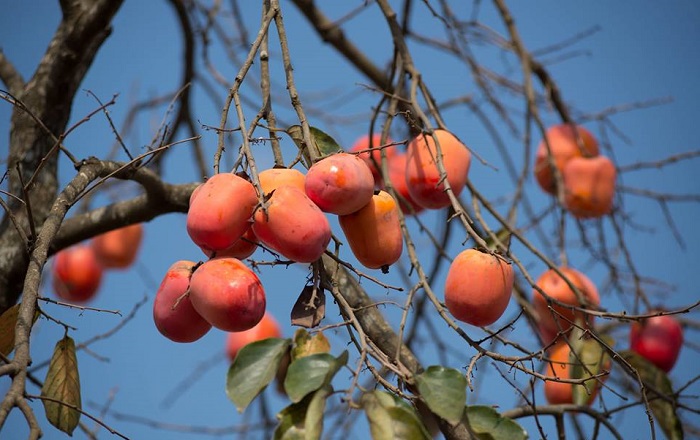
(642, 51)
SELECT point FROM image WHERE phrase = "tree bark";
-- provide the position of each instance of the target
(39, 119)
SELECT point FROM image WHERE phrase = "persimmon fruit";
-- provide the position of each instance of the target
(397, 175)
(422, 175)
(340, 184)
(373, 158)
(220, 212)
(117, 249)
(229, 295)
(658, 339)
(374, 232)
(243, 248)
(194, 194)
(589, 186)
(273, 178)
(293, 225)
(564, 145)
(268, 327)
(173, 313)
(560, 365)
(561, 316)
(478, 287)
(77, 273)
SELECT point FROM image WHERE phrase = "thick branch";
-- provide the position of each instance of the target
(9, 75)
(47, 97)
(17, 369)
(139, 209)
(382, 335)
(160, 198)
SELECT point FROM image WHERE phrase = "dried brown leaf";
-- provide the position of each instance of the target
(62, 387)
(8, 321)
(310, 308)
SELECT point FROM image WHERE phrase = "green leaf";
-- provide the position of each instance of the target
(62, 387)
(323, 144)
(303, 420)
(444, 391)
(380, 424)
(310, 373)
(306, 344)
(253, 369)
(295, 132)
(488, 424)
(391, 418)
(663, 410)
(593, 356)
(503, 236)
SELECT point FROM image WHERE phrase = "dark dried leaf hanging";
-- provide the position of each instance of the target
(310, 307)
(8, 321)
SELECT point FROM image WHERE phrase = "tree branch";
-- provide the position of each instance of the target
(9, 75)
(47, 97)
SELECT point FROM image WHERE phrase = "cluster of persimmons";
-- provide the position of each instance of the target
(77, 270)
(568, 162)
(228, 220)
(658, 339)
(569, 157)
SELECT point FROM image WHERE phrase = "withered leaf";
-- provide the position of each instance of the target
(62, 387)
(8, 321)
(306, 344)
(310, 308)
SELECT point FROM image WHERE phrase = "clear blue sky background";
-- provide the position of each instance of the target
(644, 50)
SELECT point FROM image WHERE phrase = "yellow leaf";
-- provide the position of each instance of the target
(306, 344)
(62, 387)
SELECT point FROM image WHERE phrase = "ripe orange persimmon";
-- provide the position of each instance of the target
(220, 211)
(374, 232)
(373, 159)
(273, 178)
(564, 146)
(293, 225)
(118, 248)
(243, 248)
(589, 186)
(179, 323)
(397, 175)
(478, 287)
(560, 366)
(226, 293)
(340, 184)
(266, 328)
(77, 273)
(422, 175)
(556, 287)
